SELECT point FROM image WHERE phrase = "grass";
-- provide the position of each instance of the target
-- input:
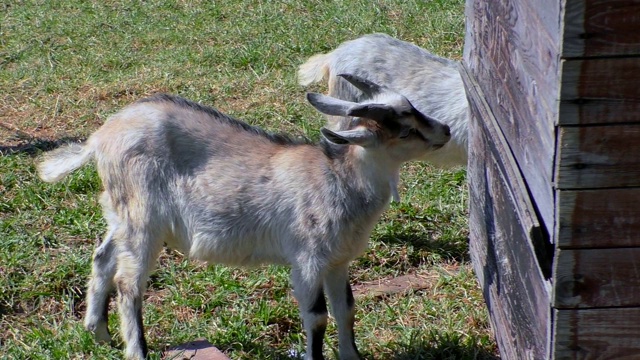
(65, 66)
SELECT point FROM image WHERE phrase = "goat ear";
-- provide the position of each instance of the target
(377, 112)
(328, 105)
(359, 136)
(366, 86)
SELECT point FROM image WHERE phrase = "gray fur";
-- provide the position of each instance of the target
(432, 84)
(219, 190)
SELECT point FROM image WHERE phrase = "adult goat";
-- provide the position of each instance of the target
(431, 83)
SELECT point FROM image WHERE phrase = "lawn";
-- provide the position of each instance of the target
(65, 66)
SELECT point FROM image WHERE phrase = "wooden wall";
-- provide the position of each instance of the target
(512, 78)
(504, 230)
(597, 183)
(518, 70)
(554, 91)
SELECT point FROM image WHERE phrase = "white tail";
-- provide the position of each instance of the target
(314, 70)
(61, 162)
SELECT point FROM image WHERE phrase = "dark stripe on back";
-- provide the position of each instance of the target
(280, 139)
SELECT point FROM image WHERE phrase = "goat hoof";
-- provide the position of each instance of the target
(100, 333)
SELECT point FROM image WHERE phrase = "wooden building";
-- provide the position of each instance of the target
(554, 174)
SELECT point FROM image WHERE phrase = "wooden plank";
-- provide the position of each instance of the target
(519, 69)
(598, 157)
(597, 334)
(598, 218)
(601, 28)
(586, 278)
(599, 111)
(514, 287)
(600, 91)
(540, 242)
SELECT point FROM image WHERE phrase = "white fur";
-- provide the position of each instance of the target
(431, 83)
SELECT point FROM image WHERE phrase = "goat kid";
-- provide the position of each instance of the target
(431, 83)
(178, 173)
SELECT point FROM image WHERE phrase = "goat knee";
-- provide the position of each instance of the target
(99, 290)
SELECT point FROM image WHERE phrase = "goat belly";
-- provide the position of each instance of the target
(238, 252)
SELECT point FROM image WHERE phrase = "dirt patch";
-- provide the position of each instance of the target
(401, 284)
(194, 350)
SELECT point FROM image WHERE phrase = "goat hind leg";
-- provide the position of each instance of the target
(100, 288)
(135, 260)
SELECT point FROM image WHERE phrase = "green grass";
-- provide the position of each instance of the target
(65, 66)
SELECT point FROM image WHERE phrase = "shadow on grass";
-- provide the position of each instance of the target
(36, 145)
(456, 248)
(442, 345)
(436, 347)
(455, 352)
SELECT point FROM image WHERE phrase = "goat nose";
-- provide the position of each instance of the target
(447, 130)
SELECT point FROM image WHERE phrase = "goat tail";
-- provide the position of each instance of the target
(315, 69)
(62, 161)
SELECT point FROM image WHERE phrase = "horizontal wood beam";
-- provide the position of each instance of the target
(598, 218)
(588, 278)
(597, 334)
(598, 157)
(600, 91)
(601, 28)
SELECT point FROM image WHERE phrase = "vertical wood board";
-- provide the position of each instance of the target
(504, 260)
(519, 70)
(597, 334)
(539, 240)
(587, 278)
(601, 218)
(601, 28)
(598, 157)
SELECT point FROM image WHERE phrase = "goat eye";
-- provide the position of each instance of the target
(406, 132)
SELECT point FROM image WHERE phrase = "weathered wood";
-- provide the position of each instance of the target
(598, 157)
(501, 229)
(598, 218)
(519, 70)
(540, 242)
(599, 111)
(597, 334)
(586, 278)
(558, 104)
(601, 28)
(600, 91)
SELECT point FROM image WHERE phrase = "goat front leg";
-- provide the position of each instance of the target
(100, 288)
(336, 284)
(313, 310)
